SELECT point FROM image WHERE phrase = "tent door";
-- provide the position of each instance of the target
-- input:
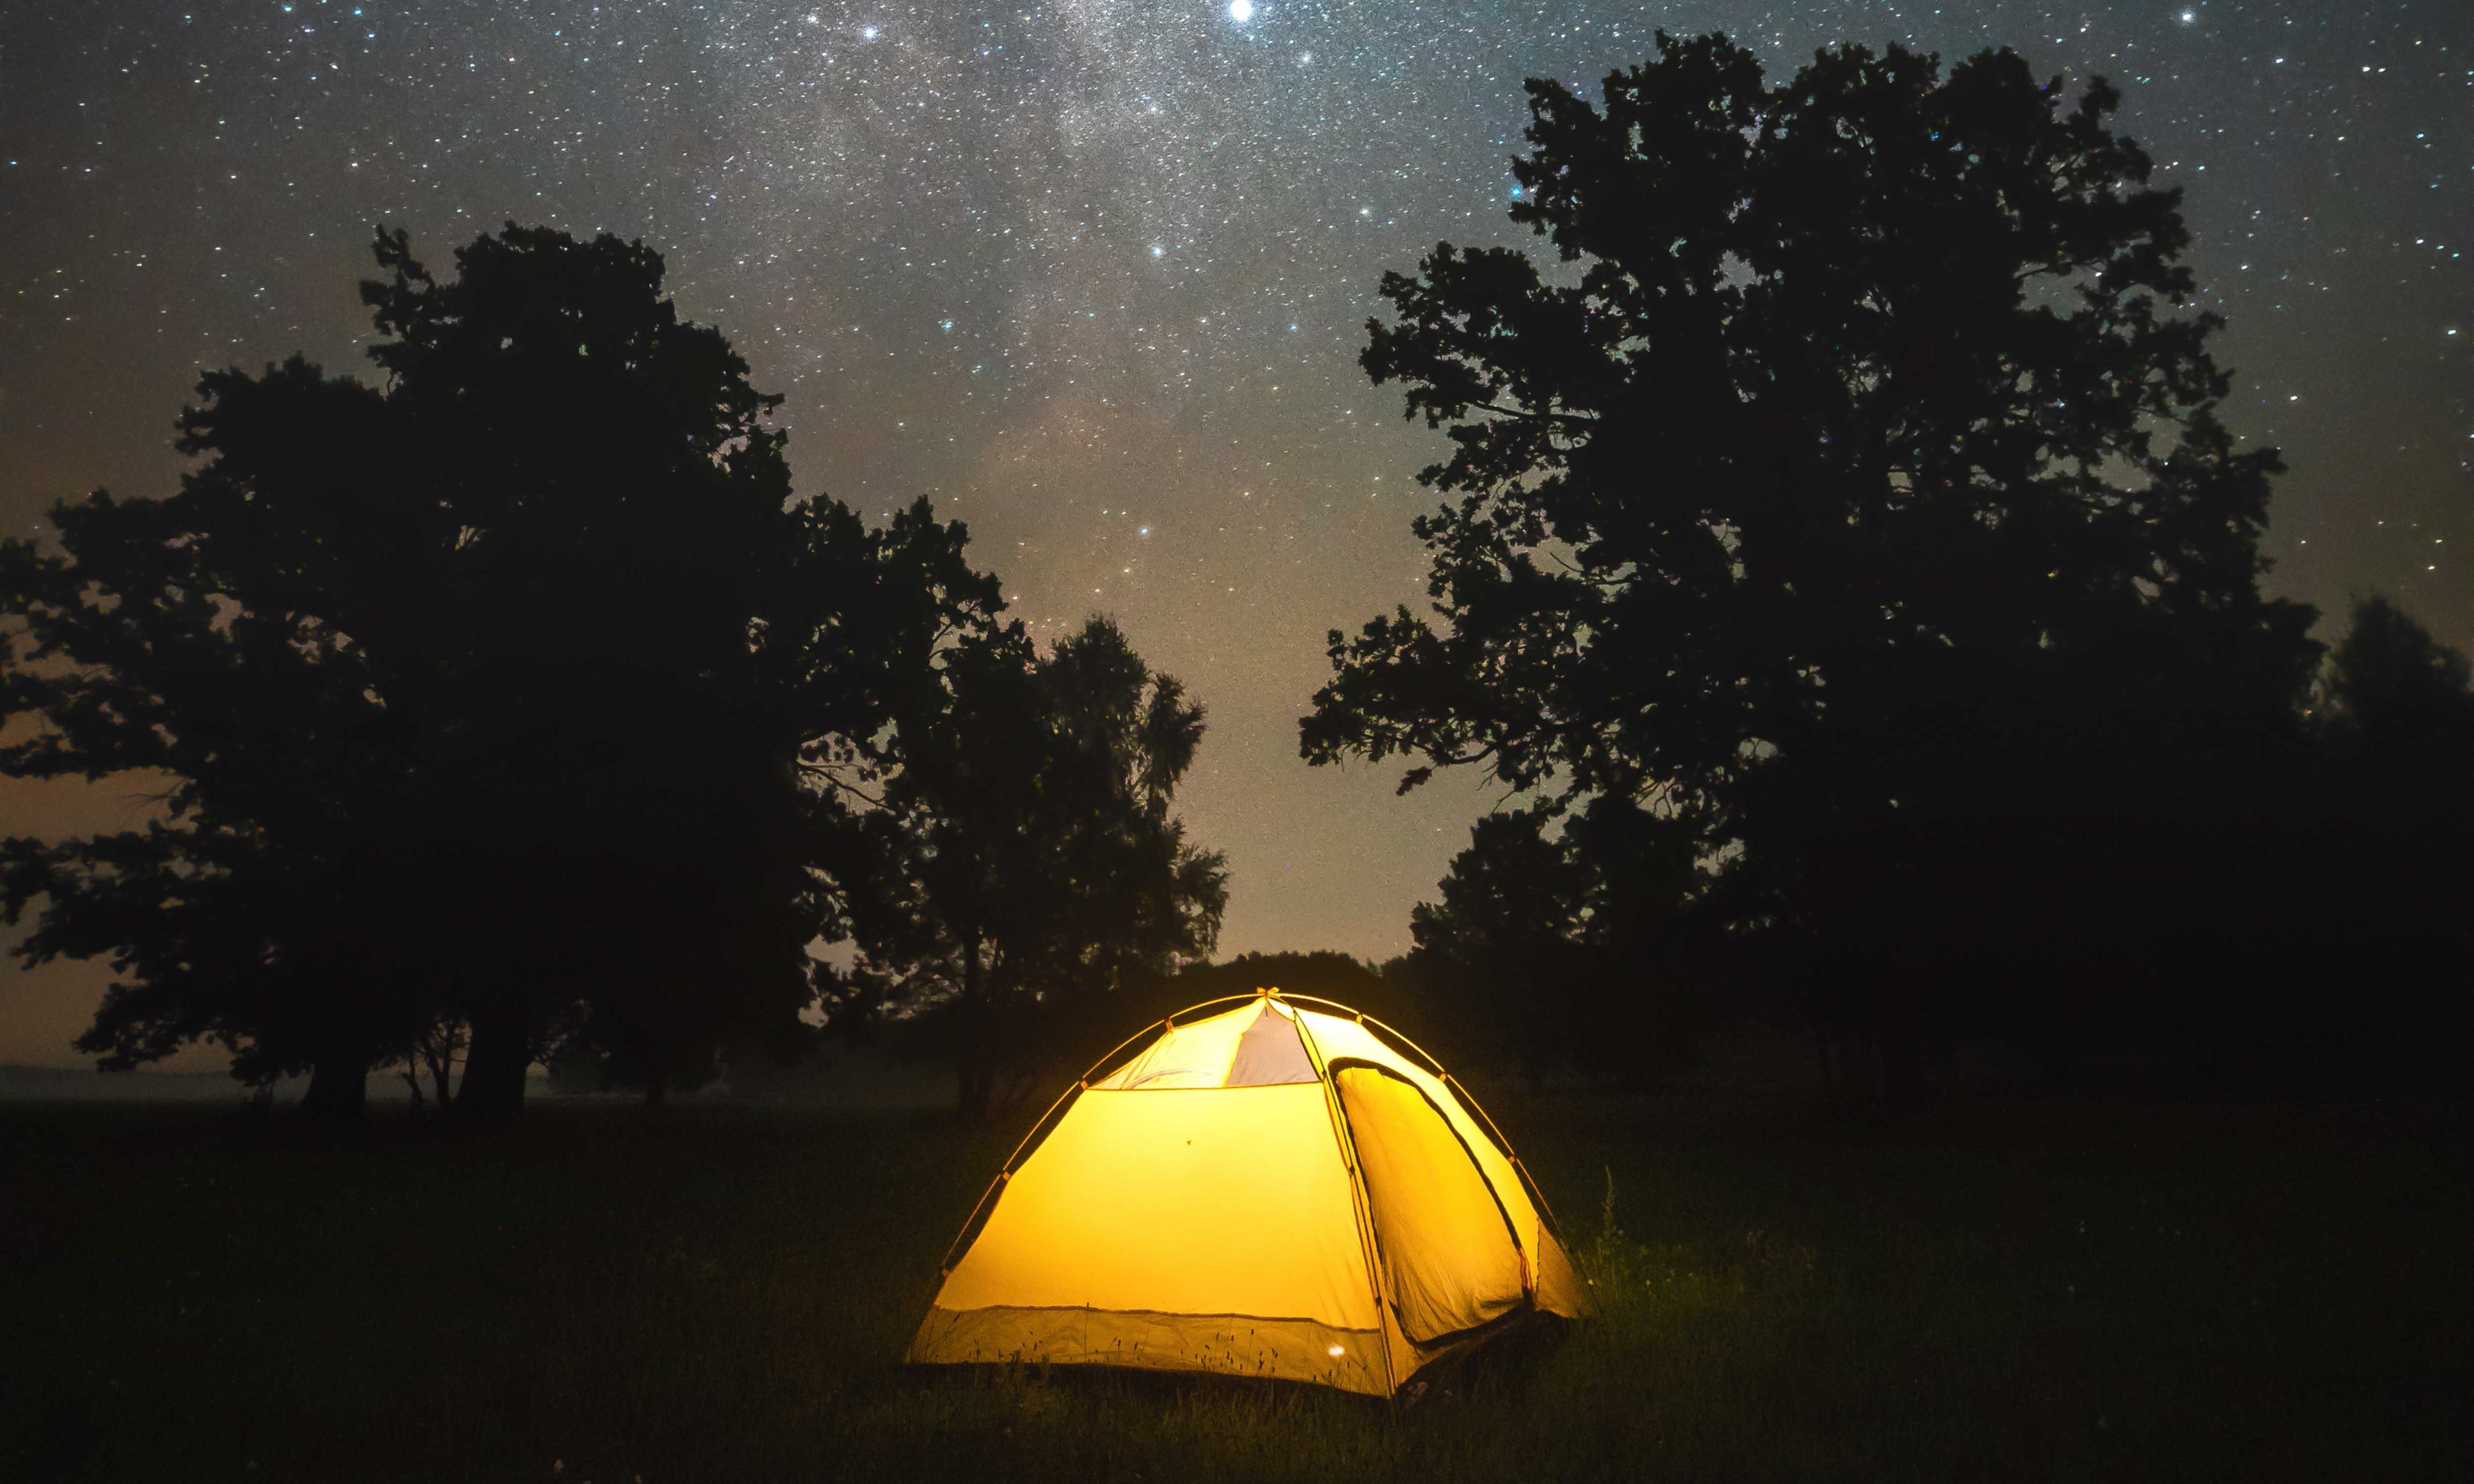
(1447, 1246)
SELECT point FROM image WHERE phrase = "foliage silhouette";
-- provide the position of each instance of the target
(1031, 866)
(2400, 712)
(1854, 511)
(1858, 394)
(515, 693)
(1568, 947)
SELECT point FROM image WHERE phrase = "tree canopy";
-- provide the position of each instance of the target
(1565, 946)
(1846, 508)
(1863, 387)
(516, 691)
(2401, 703)
(1033, 868)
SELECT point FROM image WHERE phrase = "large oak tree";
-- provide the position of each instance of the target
(1856, 382)
(1857, 464)
(509, 692)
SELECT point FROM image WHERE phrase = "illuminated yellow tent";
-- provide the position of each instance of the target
(1271, 1191)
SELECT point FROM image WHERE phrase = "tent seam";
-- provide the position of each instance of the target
(1369, 1248)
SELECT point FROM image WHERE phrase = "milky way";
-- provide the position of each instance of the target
(1093, 273)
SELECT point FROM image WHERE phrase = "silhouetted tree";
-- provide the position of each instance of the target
(1560, 940)
(1505, 939)
(1030, 842)
(1860, 463)
(189, 638)
(576, 1069)
(515, 691)
(437, 1049)
(2400, 710)
(2390, 814)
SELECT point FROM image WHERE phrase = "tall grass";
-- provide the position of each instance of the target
(722, 1293)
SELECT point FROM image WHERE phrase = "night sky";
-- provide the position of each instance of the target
(1092, 274)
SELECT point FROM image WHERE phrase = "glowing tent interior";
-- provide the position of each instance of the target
(1271, 1191)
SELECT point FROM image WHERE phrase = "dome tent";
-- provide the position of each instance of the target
(1272, 1190)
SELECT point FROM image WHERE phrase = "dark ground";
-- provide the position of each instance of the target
(2003, 1290)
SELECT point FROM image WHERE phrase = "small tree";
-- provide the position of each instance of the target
(1504, 937)
(437, 1049)
(1558, 937)
(1041, 871)
(2400, 706)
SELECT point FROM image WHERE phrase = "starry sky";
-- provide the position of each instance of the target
(1092, 274)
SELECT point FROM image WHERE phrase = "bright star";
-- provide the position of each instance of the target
(1241, 10)
(2189, 16)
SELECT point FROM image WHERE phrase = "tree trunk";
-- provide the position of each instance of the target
(494, 1066)
(338, 1089)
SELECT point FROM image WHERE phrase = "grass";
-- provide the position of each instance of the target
(2010, 1291)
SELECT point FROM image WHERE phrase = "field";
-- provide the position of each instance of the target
(2007, 1291)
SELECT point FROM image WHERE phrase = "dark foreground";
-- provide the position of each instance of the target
(2015, 1291)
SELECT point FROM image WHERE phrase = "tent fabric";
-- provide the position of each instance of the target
(1444, 1240)
(1293, 1349)
(1270, 1053)
(1554, 1284)
(1231, 1200)
(1172, 1201)
(1257, 1045)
